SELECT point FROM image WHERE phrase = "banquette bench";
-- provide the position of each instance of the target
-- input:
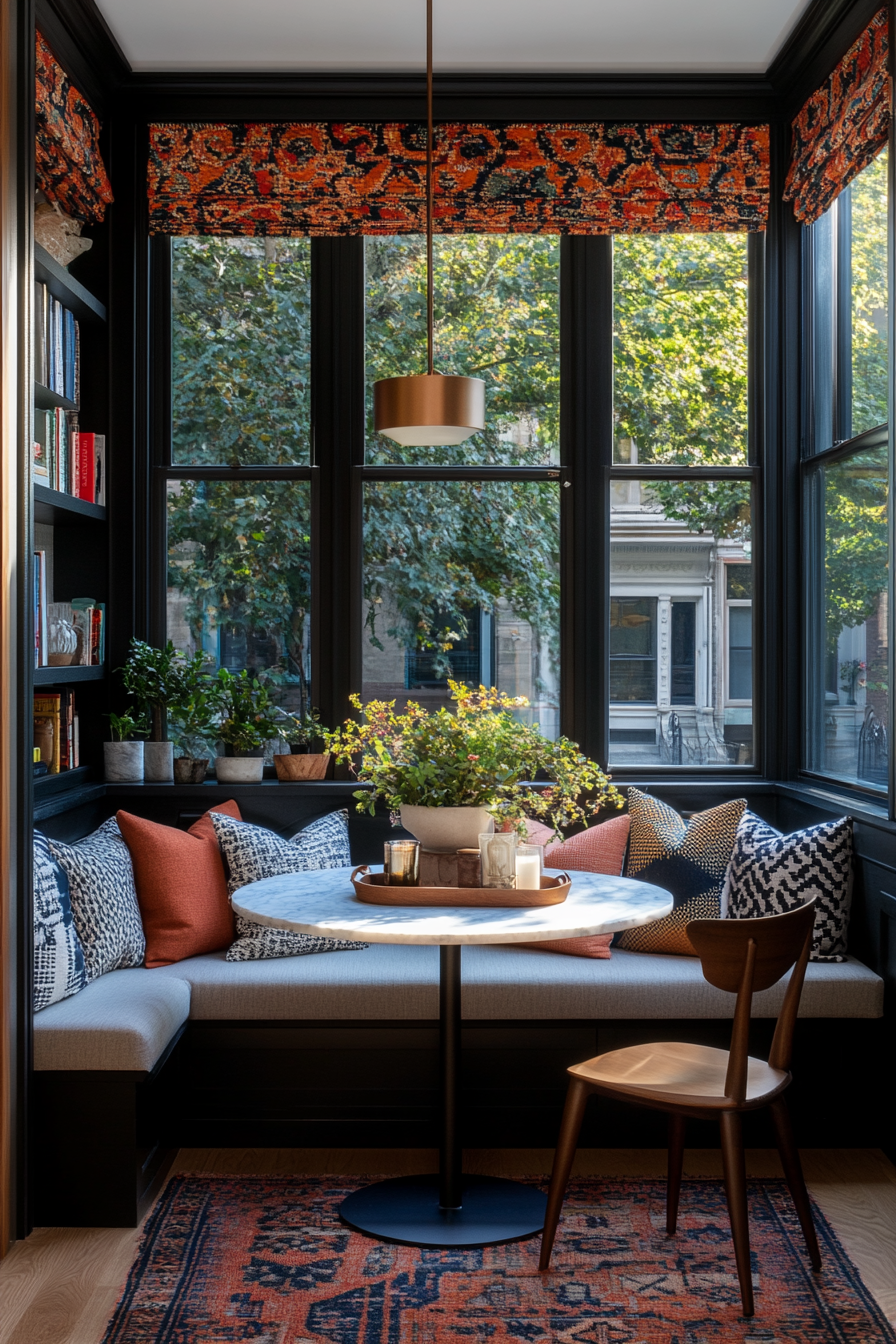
(341, 1049)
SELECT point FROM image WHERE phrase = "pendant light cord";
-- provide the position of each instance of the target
(429, 288)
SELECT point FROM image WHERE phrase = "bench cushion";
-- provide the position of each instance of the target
(390, 982)
(123, 1020)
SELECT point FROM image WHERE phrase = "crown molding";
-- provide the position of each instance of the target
(825, 32)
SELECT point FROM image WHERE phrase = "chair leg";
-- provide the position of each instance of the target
(573, 1112)
(676, 1162)
(793, 1170)
(736, 1190)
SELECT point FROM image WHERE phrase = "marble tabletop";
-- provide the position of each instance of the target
(324, 903)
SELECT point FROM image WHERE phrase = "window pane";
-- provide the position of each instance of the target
(680, 348)
(673, 545)
(848, 693)
(239, 578)
(497, 317)
(868, 202)
(740, 653)
(462, 581)
(240, 351)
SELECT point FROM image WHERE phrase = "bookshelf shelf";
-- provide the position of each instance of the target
(66, 288)
(67, 676)
(47, 785)
(53, 506)
(45, 400)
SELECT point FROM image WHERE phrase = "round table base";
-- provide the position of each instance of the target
(406, 1210)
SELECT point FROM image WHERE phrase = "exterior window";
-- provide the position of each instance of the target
(461, 578)
(846, 488)
(633, 650)
(684, 653)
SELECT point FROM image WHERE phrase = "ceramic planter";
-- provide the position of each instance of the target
(158, 762)
(123, 762)
(239, 769)
(190, 769)
(446, 828)
(309, 766)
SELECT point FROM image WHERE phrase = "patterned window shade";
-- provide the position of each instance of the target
(320, 178)
(70, 168)
(842, 127)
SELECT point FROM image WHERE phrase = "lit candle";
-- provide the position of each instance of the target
(528, 872)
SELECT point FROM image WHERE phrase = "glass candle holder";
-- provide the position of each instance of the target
(529, 862)
(469, 868)
(401, 863)
(497, 854)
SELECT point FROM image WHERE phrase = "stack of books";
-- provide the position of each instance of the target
(68, 459)
(57, 345)
(57, 730)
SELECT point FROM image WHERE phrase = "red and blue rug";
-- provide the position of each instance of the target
(231, 1259)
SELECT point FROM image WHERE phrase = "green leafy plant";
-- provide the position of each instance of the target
(300, 730)
(153, 677)
(249, 715)
(479, 755)
(125, 727)
(195, 710)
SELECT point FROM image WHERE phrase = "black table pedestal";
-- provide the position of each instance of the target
(451, 1209)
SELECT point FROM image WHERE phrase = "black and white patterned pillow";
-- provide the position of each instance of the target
(104, 900)
(771, 873)
(252, 852)
(59, 969)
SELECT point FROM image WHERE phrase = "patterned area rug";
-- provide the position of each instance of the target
(231, 1259)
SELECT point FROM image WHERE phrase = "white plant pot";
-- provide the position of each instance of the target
(158, 762)
(123, 762)
(446, 828)
(239, 769)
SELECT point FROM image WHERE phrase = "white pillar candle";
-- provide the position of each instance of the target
(528, 872)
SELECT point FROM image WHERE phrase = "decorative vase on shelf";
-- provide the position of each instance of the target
(62, 644)
(123, 762)
(190, 769)
(239, 769)
(446, 828)
(158, 762)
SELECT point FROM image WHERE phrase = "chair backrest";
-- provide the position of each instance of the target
(744, 956)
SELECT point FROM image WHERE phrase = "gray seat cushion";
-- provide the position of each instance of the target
(391, 982)
(123, 1020)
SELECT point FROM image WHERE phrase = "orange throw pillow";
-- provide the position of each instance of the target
(181, 888)
(600, 849)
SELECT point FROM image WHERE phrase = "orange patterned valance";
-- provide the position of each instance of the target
(330, 178)
(842, 127)
(70, 168)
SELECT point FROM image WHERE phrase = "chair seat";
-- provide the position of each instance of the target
(676, 1073)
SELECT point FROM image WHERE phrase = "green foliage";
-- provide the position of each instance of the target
(477, 756)
(301, 730)
(151, 676)
(868, 210)
(856, 496)
(249, 716)
(125, 727)
(196, 708)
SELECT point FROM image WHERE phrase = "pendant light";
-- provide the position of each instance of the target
(429, 409)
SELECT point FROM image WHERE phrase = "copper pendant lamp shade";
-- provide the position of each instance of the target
(429, 409)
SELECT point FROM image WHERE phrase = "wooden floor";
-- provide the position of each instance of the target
(60, 1285)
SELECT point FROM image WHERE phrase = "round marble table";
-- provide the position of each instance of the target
(451, 1209)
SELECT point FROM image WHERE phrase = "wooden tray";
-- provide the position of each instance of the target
(372, 888)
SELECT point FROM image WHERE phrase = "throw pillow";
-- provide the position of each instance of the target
(253, 852)
(600, 849)
(181, 888)
(58, 956)
(688, 858)
(771, 873)
(104, 901)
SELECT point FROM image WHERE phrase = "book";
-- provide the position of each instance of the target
(89, 619)
(99, 453)
(86, 468)
(41, 631)
(48, 713)
(69, 336)
(40, 333)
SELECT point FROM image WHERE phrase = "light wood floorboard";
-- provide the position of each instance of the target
(60, 1285)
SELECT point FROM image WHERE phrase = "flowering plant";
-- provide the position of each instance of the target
(478, 755)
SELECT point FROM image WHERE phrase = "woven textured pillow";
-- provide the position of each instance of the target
(253, 852)
(59, 969)
(688, 858)
(600, 849)
(104, 901)
(181, 888)
(771, 873)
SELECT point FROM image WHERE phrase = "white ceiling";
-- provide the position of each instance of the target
(733, 36)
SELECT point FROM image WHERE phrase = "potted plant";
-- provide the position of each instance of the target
(193, 714)
(152, 677)
(249, 719)
(123, 756)
(302, 732)
(452, 775)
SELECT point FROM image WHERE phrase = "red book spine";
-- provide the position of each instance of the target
(95, 631)
(86, 467)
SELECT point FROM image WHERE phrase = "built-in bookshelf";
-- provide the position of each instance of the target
(69, 531)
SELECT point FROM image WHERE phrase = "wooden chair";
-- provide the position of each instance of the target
(742, 957)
